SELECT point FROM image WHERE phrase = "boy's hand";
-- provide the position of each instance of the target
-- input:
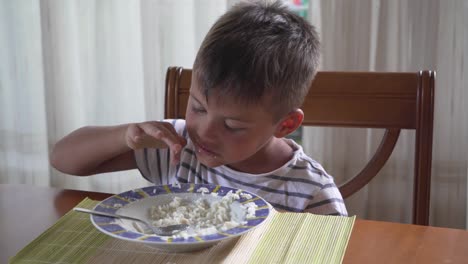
(155, 135)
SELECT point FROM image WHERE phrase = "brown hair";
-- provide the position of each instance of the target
(259, 50)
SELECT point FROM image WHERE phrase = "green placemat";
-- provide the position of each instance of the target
(70, 240)
(284, 238)
(304, 238)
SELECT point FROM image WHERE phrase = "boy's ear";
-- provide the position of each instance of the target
(289, 123)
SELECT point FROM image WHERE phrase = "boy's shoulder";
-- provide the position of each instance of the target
(302, 165)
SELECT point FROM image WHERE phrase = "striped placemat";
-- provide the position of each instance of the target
(304, 238)
(284, 238)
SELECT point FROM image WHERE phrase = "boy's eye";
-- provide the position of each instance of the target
(199, 109)
(233, 129)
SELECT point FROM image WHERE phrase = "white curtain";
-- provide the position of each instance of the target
(402, 35)
(66, 64)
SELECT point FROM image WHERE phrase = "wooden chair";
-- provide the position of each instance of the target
(392, 101)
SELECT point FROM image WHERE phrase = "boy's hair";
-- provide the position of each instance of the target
(259, 50)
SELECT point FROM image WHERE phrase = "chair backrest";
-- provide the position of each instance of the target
(389, 100)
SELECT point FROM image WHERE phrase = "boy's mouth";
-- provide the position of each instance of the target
(201, 149)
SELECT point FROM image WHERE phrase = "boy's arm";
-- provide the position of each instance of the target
(91, 150)
(328, 201)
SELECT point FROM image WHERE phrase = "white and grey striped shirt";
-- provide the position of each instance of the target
(300, 185)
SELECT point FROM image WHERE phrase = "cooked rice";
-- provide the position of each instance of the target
(203, 216)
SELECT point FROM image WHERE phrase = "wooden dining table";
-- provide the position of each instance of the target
(26, 211)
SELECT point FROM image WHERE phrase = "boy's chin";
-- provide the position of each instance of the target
(210, 162)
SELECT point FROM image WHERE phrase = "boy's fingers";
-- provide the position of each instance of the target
(158, 135)
(133, 131)
(175, 154)
(166, 134)
(177, 151)
(134, 136)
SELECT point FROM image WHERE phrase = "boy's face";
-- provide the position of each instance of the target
(225, 132)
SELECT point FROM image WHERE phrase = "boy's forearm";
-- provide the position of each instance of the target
(84, 150)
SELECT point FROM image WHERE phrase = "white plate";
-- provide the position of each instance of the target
(138, 202)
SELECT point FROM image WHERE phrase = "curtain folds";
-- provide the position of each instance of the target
(67, 64)
(403, 35)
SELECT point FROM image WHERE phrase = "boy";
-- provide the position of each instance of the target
(249, 77)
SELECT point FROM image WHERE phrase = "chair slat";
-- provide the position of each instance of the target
(373, 100)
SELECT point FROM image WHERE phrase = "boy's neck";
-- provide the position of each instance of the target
(272, 156)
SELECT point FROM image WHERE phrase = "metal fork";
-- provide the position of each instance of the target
(158, 230)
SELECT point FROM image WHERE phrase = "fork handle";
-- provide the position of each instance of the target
(84, 210)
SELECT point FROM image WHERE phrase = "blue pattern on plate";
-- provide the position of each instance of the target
(112, 228)
(130, 235)
(154, 239)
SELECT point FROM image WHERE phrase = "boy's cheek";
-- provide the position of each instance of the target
(189, 122)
